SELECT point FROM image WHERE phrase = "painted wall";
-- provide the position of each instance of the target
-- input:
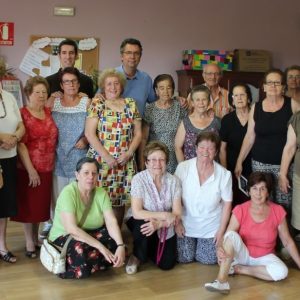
(165, 27)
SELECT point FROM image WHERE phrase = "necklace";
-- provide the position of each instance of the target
(4, 108)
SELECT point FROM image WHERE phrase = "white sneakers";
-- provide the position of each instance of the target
(217, 286)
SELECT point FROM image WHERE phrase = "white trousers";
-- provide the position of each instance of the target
(274, 265)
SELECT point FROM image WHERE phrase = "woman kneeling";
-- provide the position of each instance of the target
(94, 246)
(249, 243)
(155, 209)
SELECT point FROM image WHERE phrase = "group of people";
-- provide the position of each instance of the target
(81, 152)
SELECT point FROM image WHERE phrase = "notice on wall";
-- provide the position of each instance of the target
(6, 33)
(33, 60)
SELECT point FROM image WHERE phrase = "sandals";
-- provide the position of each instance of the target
(132, 265)
(7, 256)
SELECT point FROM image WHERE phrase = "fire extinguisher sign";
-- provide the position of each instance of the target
(6, 33)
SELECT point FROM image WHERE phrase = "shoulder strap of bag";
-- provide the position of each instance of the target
(81, 222)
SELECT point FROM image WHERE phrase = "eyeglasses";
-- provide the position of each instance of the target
(155, 160)
(216, 74)
(69, 82)
(132, 53)
(273, 83)
(293, 77)
(239, 95)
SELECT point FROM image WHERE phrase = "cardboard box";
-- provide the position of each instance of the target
(252, 60)
(196, 59)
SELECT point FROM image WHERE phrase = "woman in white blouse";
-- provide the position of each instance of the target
(207, 196)
(155, 211)
(11, 131)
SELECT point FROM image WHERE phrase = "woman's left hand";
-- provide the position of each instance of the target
(119, 257)
(149, 227)
(123, 158)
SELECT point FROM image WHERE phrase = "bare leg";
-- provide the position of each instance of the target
(35, 233)
(28, 231)
(226, 263)
(254, 271)
(3, 225)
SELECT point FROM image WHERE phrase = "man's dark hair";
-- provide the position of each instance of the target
(130, 41)
(70, 43)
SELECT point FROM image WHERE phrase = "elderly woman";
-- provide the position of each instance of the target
(113, 129)
(11, 131)
(161, 119)
(207, 196)
(98, 243)
(69, 114)
(248, 247)
(37, 153)
(233, 130)
(290, 150)
(155, 209)
(292, 74)
(267, 132)
(198, 121)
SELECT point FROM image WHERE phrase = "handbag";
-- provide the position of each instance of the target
(51, 257)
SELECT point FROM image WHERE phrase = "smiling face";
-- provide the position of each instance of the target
(38, 96)
(131, 56)
(239, 97)
(206, 151)
(112, 88)
(164, 90)
(87, 177)
(156, 163)
(67, 56)
(200, 102)
(211, 75)
(259, 193)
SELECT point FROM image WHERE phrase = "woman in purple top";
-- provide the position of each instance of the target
(200, 120)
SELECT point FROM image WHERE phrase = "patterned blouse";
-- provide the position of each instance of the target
(70, 122)
(163, 124)
(191, 133)
(143, 187)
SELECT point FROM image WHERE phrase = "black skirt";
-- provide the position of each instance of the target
(8, 193)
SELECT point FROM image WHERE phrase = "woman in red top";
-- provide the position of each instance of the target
(36, 162)
(249, 243)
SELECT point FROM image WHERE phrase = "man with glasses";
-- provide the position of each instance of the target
(139, 83)
(219, 103)
(67, 54)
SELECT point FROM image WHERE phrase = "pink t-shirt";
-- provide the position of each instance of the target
(259, 237)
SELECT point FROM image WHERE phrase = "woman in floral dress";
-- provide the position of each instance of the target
(161, 119)
(113, 129)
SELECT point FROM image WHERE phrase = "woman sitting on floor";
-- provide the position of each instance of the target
(98, 243)
(249, 243)
(155, 209)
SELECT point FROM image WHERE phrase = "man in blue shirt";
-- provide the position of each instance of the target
(139, 84)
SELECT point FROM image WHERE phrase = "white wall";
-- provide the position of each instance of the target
(165, 28)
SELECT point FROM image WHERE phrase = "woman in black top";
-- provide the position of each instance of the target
(267, 132)
(233, 130)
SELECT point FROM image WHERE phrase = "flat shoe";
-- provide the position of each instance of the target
(8, 257)
(132, 265)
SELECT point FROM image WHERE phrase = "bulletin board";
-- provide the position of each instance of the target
(88, 59)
